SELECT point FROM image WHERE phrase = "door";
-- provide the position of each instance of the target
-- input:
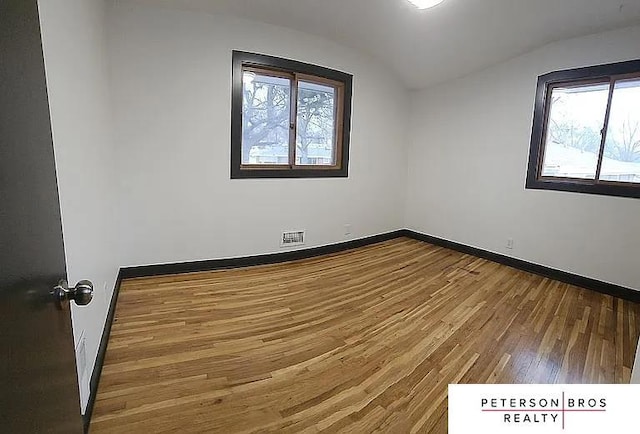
(38, 384)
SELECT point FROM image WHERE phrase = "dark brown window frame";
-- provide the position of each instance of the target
(341, 81)
(608, 73)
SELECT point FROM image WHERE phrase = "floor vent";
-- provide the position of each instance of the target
(292, 238)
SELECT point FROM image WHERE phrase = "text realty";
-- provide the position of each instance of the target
(539, 410)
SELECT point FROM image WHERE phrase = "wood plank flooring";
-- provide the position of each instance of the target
(361, 341)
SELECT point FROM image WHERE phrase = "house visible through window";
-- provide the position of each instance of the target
(289, 119)
(586, 135)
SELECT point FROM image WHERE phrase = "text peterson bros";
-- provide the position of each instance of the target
(537, 410)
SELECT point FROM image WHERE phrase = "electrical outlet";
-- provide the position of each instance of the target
(510, 243)
(347, 229)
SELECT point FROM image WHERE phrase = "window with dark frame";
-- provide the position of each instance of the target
(288, 119)
(586, 131)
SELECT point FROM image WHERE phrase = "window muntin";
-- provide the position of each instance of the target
(289, 119)
(586, 133)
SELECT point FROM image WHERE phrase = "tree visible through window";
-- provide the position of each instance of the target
(265, 118)
(316, 126)
(294, 118)
(586, 134)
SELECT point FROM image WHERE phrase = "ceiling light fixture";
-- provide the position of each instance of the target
(425, 4)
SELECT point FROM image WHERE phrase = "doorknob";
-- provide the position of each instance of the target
(82, 293)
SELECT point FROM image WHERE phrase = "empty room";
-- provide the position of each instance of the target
(359, 216)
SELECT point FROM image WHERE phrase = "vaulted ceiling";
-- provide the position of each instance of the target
(428, 46)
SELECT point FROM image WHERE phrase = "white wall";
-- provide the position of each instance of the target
(468, 155)
(171, 73)
(162, 162)
(74, 43)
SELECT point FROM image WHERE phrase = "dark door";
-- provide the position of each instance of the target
(38, 384)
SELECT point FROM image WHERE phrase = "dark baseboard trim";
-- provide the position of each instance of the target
(209, 265)
(102, 351)
(542, 270)
(249, 261)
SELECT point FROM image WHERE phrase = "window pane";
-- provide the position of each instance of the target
(573, 139)
(266, 103)
(315, 134)
(621, 160)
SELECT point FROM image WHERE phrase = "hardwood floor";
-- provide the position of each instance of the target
(361, 341)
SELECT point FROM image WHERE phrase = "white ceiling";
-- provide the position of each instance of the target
(428, 46)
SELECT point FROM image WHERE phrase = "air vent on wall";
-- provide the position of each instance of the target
(292, 238)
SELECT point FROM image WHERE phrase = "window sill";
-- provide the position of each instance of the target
(288, 173)
(586, 187)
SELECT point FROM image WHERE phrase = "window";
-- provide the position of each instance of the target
(288, 119)
(586, 131)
